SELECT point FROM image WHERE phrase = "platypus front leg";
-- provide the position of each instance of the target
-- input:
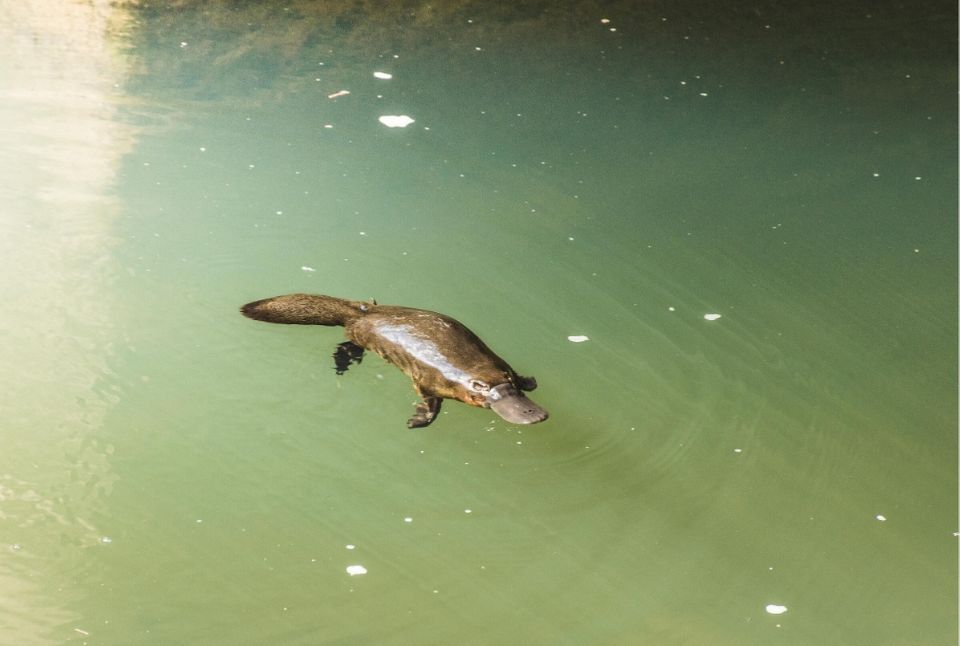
(345, 354)
(425, 412)
(526, 383)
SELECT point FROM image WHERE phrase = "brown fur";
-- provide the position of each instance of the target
(442, 356)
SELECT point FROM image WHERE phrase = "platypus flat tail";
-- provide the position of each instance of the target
(304, 309)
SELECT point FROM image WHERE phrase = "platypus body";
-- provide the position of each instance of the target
(442, 356)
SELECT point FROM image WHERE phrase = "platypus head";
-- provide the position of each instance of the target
(509, 402)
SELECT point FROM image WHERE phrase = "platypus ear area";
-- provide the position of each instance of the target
(479, 386)
(526, 383)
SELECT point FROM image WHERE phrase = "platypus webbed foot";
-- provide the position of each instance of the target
(345, 354)
(526, 383)
(425, 412)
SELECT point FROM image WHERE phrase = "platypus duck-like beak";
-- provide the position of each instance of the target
(515, 407)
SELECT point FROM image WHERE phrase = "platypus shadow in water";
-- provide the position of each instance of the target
(442, 356)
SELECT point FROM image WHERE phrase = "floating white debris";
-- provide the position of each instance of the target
(383, 75)
(395, 120)
(305, 268)
(408, 520)
(578, 338)
(881, 517)
(354, 570)
(711, 317)
(351, 547)
(774, 609)
(338, 93)
(106, 540)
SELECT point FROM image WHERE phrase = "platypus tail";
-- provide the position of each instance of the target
(305, 309)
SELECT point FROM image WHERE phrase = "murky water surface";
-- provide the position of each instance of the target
(748, 214)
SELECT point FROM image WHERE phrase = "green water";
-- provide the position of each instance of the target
(172, 473)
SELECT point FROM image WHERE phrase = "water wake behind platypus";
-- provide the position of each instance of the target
(442, 356)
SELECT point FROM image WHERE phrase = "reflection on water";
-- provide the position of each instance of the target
(61, 147)
(782, 473)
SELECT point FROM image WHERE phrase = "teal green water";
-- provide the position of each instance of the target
(172, 473)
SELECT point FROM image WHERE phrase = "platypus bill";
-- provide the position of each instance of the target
(442, 356)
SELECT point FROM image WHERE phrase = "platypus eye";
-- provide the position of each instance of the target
(479, 386)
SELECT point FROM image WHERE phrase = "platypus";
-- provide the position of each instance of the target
(442, 356)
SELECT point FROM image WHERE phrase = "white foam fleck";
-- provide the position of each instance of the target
(354, 570)
(578, 338)
(711, 317)
(305, 268)
(383, 75)
(395, 120)
(351, 547)
(881, 517)
(775, 609)
(408, 520)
